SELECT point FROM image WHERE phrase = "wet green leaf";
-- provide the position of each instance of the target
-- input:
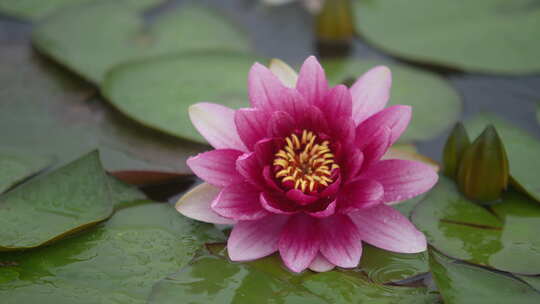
(37, 9)
(522, 150)
(534, 281)
(504, 237)
(54, 205)
(436, 105)
(158, 92)
(216, 280)
(462, 283)
(17, 166)
(91, 38)
(383, 266)
(213, 279)
(479, 36)
(349, 287)
(117, 261)
(46, 112)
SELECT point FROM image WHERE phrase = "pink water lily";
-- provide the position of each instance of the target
(301, 171)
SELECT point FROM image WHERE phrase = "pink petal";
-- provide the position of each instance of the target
(370, 93)
(332, 188)
(277, 204)
(340, 241)
(264, 88)
(250, 170)
(250, 240)
(269, 179)
(312, 81)
(321, 264)
(293, 103)
(361, 193)
(239, 202)
(300, 197)
(337, 104)
(216, 167)
(196, 204)
(375, 145)
(216, 123)
(299, 242)
(384, 227)
(252, 125)
(265, 150)
(281, 124)
(396, 118)
(402, 179)
(329, 210)
(352, 164)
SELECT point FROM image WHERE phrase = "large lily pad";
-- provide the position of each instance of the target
(383, 266)
(504, 237)
(91, 38)
(436, 105)
(522, 150)
(534, 281)
(118, 261)
(17, 166)
(54, 205)
(44, 111)
(478, 36)
(462, 283)
(213, 279)
(158, 92)
(36, 9)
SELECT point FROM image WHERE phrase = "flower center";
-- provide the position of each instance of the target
(305, 162)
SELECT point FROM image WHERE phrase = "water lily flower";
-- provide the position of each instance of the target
(301, 171)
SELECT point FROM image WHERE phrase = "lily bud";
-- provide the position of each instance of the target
(334, 28)
(483, 171)
(455, 146)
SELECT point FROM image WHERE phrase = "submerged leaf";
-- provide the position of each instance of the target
(17, 166)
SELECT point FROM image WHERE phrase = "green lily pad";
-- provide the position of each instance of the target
(17, 166)
(43, 111)
(522, 149)
(492, 36)
(349, 287)
(436, 105)
(117, 261)
(57, 204)
(383, 266)
(213, 279)
(91, 38)
(534, 281)
(462, 283)
(406, 208)
(37, 9)
(504, 237)
(158, 92)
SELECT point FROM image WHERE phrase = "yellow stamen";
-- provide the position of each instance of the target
(305, 162)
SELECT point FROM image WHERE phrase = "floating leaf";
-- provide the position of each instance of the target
(522, 150)
(383, 266)
(91, 38)
(118, 261)
(17, 166)
(491, 36)
(436, 105)
(534, 281)
(44, 111)
(57, 204)
(37, 9)
(213, 279)
(504, 237)
(348, 287)
(462, 283)
(158, 92)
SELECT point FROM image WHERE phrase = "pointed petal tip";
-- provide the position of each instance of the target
(321, 264)
(196, 204)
